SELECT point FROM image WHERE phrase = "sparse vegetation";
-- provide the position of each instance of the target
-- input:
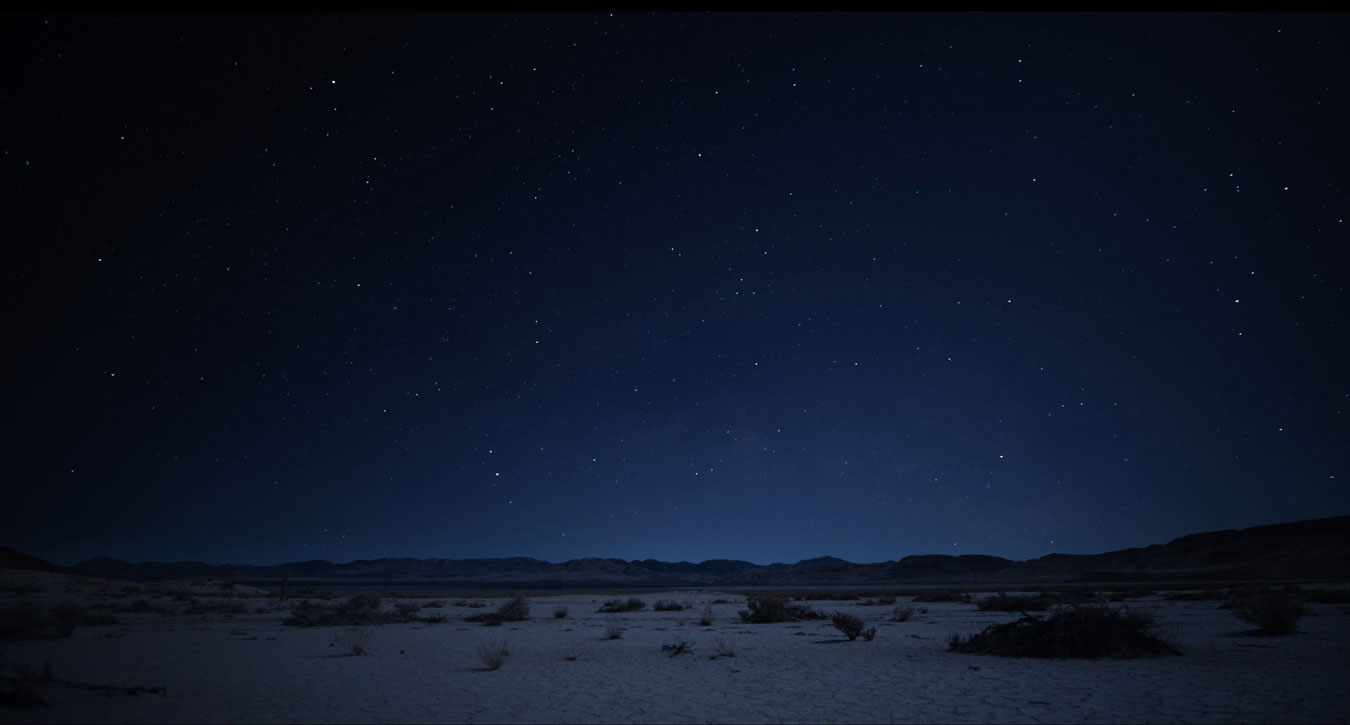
(1082, 631)
(31, 622)
(946, 595)
(706, 617)
(768, 610)
(1004, 602)
(878, 602)
(1273, 612)
(492, 653)
(513, 610)
(353, 641)
(902, 614)
(850, 625)
(560, 613)
(663, 605)
(362, 609)
(722, 648)
(199, 606)
(869, 634)
(614, 606)
(681, 646)
(613, 628)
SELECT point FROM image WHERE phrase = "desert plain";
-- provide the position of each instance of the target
(208, 652)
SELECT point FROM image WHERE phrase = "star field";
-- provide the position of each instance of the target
(678, 286)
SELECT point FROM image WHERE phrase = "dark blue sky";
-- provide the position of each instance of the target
(678, 286)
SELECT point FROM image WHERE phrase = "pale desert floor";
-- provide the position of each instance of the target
(251, 668)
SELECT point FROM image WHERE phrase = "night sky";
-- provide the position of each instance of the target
(678, 286)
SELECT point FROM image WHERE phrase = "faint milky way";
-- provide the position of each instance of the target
(679, 286)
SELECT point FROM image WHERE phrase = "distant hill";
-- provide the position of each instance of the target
(1315, 549)
(11, 559)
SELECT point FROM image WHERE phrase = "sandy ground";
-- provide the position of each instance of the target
(251, 668)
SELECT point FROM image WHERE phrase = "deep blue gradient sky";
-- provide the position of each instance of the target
(676, 286)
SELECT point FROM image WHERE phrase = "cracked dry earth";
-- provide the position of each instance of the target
(252, 668)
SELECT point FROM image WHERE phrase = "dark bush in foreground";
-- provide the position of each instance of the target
(942, 596)
(29, 622)
(1079, 632)
(850, 625)
(1272, 612)
(614, 606)
(515, 610)
(768, 610)
(1003, 602)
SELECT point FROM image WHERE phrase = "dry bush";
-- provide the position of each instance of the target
(706, 617)
(869, 634)
(492, 653)
(514, 610)
(198, 606)
(850, 625)
(878, 602)
(768, 610)
(663, 605)
(946, 595)
(31, 622)
(1086, 631)
(614, 606)
(1004, 602)
(560, 613)
(902, 614)
(1273, 612)
(681, 646)
(353, 641)
(613, 628)
(723, 649)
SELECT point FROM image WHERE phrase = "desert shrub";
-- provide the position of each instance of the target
(946, 595)
(139, 606)
(198, 606)
(721, 601)
(362, 609)
(31, 622)
(353, 641)
(1273, 612)
(850, 625)
(434, 604)
(768, 610)
(902, 614)
(571, 654)
(1004, 602)
(663, 605)
(560, 613)
(492, 653)
(613, 628)
(1204, 595)
(681, 646)
(1086, 631)
(513, 610)
(723, 649)
(406, 611)
(878, 602)
(614, 606)
(869, 634)
(706, 617)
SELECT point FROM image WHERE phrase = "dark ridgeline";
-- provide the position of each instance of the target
(1314, 549)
